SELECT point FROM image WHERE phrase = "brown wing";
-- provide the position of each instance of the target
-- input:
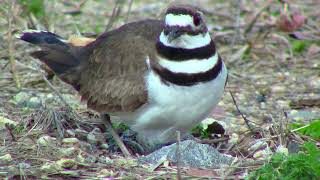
(113, 80)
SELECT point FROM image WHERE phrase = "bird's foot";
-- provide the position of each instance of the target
(129, 138)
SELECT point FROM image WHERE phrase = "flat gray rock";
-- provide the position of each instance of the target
(192, 154)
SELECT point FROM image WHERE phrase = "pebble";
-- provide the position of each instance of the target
(80, 134)
(91, 138)
(234, 138)
(70, 141)
(263, 154)
(6, 159)
(282, 149)
(50, 167)
(24, 165)
(278, 89)
(241, 129)
(105, 173)
(104, 146)
(315, 83)
(21, 98)
(46, 140)
(4, 121)
(70, 133)
(24, 99)
(90, 159)
(87, 147)
(34, 102)
(66, 163)
(68, 151)
(257, 145)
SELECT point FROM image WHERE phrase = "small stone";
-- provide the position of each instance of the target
(258, 144)
(68, 151)
(66, 163)
(278, 89)
(283, 150)
(70, 173)
(104, 146)
(105, 173)
(242, 129)
(70, 141)
(283, 104)
(240, 121)
(261, 98)
(91, 138)
(34, 102)
(80, 158)
(106, 160)
(6, 159)
(51, 167)
(90, 159)
(263, 154)
(87, 147)
(70, 133)
(125, 163)
(293, 147)
(24, 165)
(4, 121)
(80, 134)
(315, 82)
(21, 98)
(234, 138)
(46, 140)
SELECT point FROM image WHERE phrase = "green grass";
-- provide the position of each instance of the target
(36, 7)
(304, 165)
(312, 130)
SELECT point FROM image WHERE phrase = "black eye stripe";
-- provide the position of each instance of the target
(187, 29)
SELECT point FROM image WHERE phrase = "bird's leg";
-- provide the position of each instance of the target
(107, 122)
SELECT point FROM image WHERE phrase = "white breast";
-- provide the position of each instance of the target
(173, 107)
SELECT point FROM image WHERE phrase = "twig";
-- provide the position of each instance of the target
(178, 156)
(237, 22)
(70, 109)
(129, 11)
(255, 18)
(115, 13)
(55, 90)
(11, 46)
(106, 121)
(245, 119)
(8, 127)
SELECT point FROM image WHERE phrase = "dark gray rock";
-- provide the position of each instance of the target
(192, 154)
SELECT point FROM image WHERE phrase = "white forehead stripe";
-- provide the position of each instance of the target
(179, 20)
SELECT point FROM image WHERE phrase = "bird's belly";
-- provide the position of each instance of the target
(173, 107)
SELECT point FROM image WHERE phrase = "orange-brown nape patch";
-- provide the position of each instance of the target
(80, 41)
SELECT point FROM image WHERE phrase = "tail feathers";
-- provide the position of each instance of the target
(61, 57)
(43, 39)
(58, 62)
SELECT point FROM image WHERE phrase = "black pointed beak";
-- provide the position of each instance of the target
(174, 33)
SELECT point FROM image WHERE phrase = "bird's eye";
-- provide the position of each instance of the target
(196, 19)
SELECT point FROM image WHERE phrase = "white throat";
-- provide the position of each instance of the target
(186, 41)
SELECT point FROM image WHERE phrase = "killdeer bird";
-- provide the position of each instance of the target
(158, 76)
